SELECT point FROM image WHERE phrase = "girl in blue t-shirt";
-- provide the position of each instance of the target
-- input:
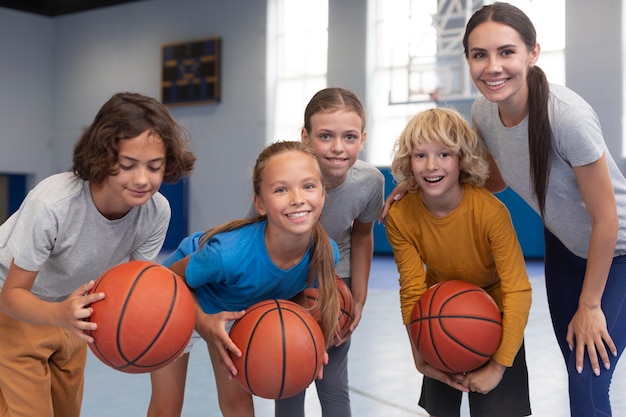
(233, 266)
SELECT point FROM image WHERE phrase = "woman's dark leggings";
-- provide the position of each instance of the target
(565, 272)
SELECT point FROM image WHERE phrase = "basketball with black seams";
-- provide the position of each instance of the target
(282, 348)
(456, 326)
(145, 320)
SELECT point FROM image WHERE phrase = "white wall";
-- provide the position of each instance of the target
(56, 73)
(26, 45)
(347, 45)
(61, 70)
(593, 63)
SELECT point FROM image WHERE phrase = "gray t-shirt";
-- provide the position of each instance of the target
(360, 197)
(576, 140)
(59, 232)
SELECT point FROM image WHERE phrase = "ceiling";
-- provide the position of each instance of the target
(54, 8)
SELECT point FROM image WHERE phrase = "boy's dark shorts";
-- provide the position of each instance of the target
(510, 398)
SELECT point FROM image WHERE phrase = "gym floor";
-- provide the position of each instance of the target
(383, 379)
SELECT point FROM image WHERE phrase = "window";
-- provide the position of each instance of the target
(297, 56)
(416, 61)
(419, 61)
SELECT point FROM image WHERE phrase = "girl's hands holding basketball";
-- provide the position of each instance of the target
(320, 374)
(358, 309)
(212, 328)
(358, 313)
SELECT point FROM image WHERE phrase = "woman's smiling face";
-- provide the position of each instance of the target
(499, 61)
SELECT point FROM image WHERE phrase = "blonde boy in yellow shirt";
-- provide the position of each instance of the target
(449, 227)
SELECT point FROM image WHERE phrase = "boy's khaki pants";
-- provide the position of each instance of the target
(41, 370)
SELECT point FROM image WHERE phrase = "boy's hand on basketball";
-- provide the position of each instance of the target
(398, 192)
(484, 379)
(588, 330)
(430, 371)
(77, 307)
(438, 375)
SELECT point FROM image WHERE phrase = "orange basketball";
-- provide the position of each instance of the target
(282, 349)
(346, 307)
(456, 326)
(145, 320)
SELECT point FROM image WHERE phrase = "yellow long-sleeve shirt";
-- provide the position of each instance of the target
(475, 243)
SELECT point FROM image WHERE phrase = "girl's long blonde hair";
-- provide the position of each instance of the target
(322, 262)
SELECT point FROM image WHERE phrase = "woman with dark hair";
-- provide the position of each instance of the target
(547, 145)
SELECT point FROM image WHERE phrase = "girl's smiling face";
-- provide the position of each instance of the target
(292, 192)
(337, 137)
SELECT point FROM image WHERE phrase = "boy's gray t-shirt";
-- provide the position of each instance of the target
(577, 140)
(59, 232)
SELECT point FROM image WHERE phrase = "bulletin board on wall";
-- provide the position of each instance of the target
(191, 72)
